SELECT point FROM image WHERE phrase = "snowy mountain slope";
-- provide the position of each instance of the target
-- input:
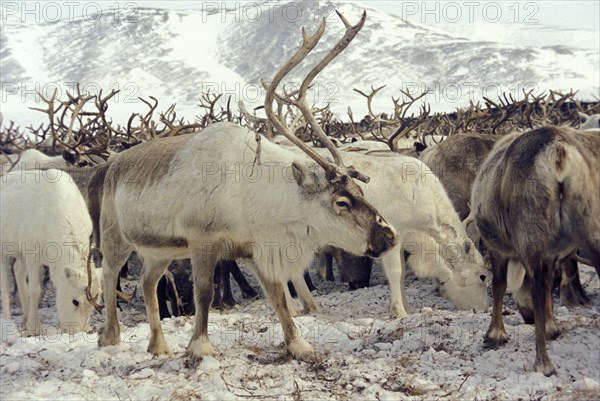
(176, 55)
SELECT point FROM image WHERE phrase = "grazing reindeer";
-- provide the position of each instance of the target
(456, 162)
(174, 198)
(431, 233)
(44, 222)
(532, 201)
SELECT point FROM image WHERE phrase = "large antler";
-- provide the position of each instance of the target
(308, 44)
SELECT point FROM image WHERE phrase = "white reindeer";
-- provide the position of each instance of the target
(45, 222)
(219, 195)
(412, 199)
(32, 159)
(589, 123)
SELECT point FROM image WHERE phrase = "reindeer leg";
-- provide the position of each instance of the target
(326, 266)
(247, 291)
(172, 293)
(20, 271)
(496, 333)
(7, 264)
(153, 271)
(395, 268)
(292, 306)
(33, 327)
(308, 301)
(309, 284)
(572, 293)
(551, 328)
(218, 279)
(45, 277)
(203, 270)
(161, 295)
(115, 253)
(228, 267)
(542, 274)
(291, 289)
(275, 293)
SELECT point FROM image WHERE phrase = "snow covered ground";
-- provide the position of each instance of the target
(435, 353)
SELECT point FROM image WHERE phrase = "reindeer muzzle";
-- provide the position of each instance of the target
(383, 238)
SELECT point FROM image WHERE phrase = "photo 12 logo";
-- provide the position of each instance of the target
(269, 11)
(455, 12)
(55, 11)
(127, 92)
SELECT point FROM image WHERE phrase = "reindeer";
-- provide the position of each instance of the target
(456, 163)
(431, 228)
(44, 213)
(33, 159)
(532, 201)
(589, 123)
(171, 198)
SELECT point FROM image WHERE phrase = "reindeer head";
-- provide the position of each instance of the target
(346, 204)
(467, 286)
(74, 308)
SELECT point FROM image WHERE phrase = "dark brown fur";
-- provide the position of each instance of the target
(534, 197)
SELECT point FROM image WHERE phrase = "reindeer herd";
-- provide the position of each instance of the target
(250, 189)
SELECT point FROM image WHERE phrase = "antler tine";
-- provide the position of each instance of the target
(350, 34)
(308, 44)
(408, 124)
(344, 20)
(370, 97)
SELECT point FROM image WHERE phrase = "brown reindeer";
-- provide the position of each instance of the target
(456, 162)
(533, 202)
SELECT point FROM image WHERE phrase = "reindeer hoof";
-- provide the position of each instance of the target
(108, 337)
(229, 302)
(398, 312)
(552, 331)
(311, 309)
(573, 297)
(157, 349)
(544, 367)
(200, 348)
(301, 350)
(495, 338)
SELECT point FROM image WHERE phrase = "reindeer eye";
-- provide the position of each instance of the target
(75, 302)
(343, 204)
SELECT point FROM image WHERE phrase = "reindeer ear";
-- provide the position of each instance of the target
(582, 116)
(305, 178)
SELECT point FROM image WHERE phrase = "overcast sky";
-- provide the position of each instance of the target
(572, 14)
